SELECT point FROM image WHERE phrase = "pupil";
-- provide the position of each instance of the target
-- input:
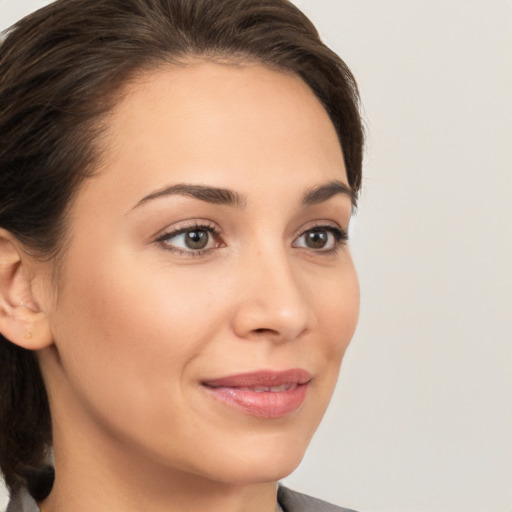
(197, 239)
(316, 239)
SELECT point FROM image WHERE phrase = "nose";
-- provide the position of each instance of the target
(272, 302)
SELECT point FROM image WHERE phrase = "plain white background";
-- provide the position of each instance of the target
(422, 418)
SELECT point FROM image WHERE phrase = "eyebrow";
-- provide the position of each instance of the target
(322, 193)
(205, 193)
(227, 197)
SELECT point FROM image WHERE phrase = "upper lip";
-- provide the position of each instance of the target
(261, 378)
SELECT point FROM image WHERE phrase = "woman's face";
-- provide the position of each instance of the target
(207, 295)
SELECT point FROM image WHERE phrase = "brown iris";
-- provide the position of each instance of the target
(316, 239)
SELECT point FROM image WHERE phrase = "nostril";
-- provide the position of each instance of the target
(263, 330)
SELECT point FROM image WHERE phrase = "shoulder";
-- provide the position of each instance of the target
(22, 502)
(39, 485)
(292, 501)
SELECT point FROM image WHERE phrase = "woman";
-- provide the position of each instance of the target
(177, 179)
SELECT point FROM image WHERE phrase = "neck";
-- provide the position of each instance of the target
(175, 499)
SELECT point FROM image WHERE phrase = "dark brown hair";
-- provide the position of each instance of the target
(61, 71)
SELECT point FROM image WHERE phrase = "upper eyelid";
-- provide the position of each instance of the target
(175, 232)
(182, 228)
(325, 224)
(340, 234)
(214, 229)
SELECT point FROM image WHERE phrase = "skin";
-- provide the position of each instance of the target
(135, 326)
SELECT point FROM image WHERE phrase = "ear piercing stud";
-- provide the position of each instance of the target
(28, 335)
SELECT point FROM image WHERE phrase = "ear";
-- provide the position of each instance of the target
(21, 320)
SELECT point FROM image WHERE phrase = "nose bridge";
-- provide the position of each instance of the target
(272, 301)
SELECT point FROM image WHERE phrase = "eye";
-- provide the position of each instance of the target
(191, 240)
(322, 239)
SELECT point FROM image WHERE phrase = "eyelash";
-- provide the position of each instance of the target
(191, 253)
(340, 239)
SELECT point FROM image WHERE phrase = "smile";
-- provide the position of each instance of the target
(263, 394)
(272, 389)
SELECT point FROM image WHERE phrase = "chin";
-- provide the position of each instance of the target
(259, 472)
(257, 450)
(259, 461)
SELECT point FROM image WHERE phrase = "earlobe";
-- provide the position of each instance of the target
(21, 320)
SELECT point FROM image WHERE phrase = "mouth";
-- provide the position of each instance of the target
(264, 394)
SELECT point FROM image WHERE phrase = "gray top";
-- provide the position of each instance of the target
(292, 501)
(288, 501)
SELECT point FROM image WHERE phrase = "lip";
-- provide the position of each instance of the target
(264, 394)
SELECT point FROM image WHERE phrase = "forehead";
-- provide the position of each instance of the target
(221, 125)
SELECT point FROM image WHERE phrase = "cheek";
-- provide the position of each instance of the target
(129, 339)
(336, 303)
(337, 306)
(338, 313)
(125, 328)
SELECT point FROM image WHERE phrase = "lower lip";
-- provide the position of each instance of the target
(266, 404)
